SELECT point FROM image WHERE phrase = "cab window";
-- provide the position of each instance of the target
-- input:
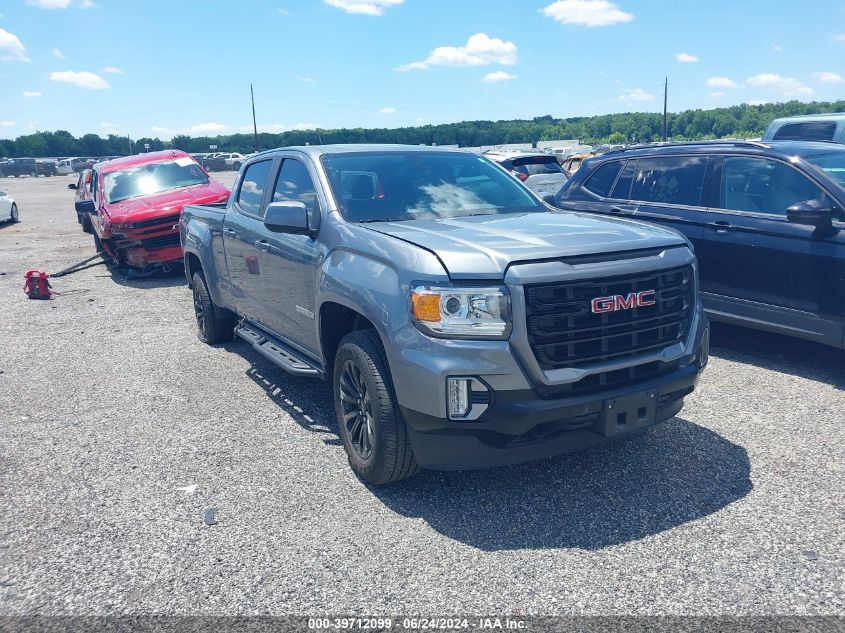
(294, 183)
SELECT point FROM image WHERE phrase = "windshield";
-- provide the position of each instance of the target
(831, 164)
(536, 165)
(382, 187)
(144, 180)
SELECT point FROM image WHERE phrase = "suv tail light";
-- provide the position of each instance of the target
(522, 177)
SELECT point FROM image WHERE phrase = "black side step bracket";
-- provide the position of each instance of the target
(276, 352)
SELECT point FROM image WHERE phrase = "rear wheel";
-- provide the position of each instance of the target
(14, 217)
(212, 328)
(372, 429)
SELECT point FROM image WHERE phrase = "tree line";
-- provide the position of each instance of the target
(742, 121)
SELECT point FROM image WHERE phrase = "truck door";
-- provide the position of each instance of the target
(242, 228)
(289, 263)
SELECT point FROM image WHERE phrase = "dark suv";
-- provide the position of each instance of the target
(767, 222)
(28, 167)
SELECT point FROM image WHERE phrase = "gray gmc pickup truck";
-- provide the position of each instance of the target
(462, 322)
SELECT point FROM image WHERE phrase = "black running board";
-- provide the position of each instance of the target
(276, 352)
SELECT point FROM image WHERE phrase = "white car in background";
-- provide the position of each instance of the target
(8, 209)
(538, 171)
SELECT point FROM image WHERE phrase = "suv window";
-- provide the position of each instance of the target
(807, 131)
(294, 183)
(761, 185)
(601, 181)
(252, 187)
(670, 180)
(536, 165)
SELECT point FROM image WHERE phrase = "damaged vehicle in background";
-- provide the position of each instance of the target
(135, 205)
(538, 171)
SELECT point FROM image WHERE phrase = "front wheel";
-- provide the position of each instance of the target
(14, 217)
(85, 221)
(212, 328)
(373, 432)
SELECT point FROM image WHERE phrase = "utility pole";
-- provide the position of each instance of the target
(254, 124)
(665, 102)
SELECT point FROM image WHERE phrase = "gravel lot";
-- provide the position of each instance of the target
(110, 407)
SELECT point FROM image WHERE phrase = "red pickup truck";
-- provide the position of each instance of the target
(136, 202)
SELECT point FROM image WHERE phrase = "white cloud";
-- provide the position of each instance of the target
(58, 54)
(112, 70)
(826, 77)
(686, 58)
(496, 77)
(839, 37)
(283, 11)
(365, 7)
(480, 50)
(49, 4)
(31, 94)
(720, 82)
(7, 124)
(637, 94)
(307, 80)
(81, 79)
(86, 4)
(758, 102)
(717, 95)
(787, 86)
(776, 47)
(387, 111)
(213, 128)
(11, 48)
(586, 12)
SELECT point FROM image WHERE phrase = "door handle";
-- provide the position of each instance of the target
(263, 245)
(721, 226)
(230, 233)
(616, 210)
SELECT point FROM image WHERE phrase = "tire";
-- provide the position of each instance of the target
(372, 429)
(14, 219)
(211, 327)
(85, 221)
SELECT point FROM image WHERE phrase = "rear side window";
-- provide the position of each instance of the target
(536, 165)
(670, 180)
(807, 131)
(252, 187)
(602, 179)
(760, 185)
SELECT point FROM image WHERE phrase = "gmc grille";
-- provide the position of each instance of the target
(564, 332)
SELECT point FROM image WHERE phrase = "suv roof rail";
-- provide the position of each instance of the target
(692, 143)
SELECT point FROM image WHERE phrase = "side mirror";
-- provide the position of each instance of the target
(812, 212)
(86, 206)
(72, 186)
(289, 216)
(550, 200)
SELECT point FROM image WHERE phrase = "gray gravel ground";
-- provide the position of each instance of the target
(110, 406)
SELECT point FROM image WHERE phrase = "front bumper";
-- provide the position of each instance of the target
(526, 420)
(520, 427)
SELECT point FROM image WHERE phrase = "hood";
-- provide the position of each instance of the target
(165, 203)
(482, 247)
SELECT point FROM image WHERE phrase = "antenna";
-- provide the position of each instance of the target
(254, 124)
(665, 102)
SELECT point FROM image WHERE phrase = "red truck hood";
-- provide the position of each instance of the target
(165, 203)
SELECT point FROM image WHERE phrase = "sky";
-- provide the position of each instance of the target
(164, 67)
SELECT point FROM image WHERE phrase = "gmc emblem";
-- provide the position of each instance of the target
(623, 302)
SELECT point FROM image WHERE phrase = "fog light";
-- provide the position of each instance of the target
(704, 351)
(458, 391)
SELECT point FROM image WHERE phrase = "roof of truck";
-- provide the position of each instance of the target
(356, 148)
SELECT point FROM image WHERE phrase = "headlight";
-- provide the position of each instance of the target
(452, 312)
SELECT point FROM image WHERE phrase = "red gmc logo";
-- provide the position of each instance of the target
(623, 302)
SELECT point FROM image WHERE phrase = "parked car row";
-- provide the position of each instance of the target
(221, 161)
(16, 167)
